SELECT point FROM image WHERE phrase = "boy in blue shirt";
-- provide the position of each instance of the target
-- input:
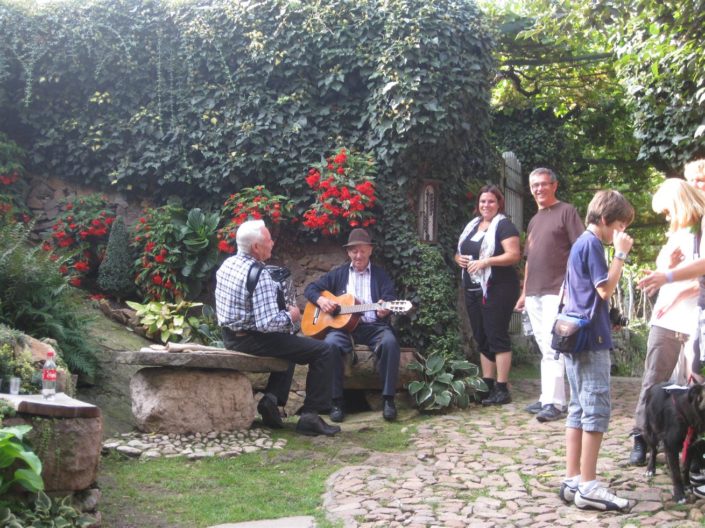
(589, 285)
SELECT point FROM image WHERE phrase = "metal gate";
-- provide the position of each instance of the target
(513, 189)
(513, 208)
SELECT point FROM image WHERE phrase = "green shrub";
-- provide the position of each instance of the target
(35, 298)
(20, 367)
(435, 327)
(115, 272)
(198, 236)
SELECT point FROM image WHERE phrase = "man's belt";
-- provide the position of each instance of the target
(238, 333)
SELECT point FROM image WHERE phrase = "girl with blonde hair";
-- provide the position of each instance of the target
(674, 319)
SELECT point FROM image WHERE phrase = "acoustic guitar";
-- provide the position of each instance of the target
(316, 323)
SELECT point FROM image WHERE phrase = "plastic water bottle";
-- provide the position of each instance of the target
(526, 324)
(474, 277)
(49, 377)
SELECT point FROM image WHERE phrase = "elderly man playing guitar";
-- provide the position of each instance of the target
(368, 284)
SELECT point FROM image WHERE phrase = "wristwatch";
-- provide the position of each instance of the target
(621, 255)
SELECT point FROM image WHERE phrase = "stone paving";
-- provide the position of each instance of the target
(498, 466)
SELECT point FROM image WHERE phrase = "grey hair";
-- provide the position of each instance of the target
(543, 170)
(248, 233)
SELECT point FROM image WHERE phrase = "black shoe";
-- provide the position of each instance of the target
(267, 407)
(313, 425)
(549, 413)
(337, 413)
(498, 397)
(638, 455)
(389, 411)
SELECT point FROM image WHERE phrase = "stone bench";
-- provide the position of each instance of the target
(67, 435)
(196, 388)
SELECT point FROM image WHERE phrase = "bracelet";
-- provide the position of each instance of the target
(621, 255)
(669, 276)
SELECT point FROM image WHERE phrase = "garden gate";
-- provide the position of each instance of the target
(513, 188)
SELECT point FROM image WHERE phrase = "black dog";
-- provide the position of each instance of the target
(672, 415)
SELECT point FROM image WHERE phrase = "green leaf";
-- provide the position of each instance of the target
(416, 386)
(463, 400)
(29, 479)
(423, 395)
(443, 399)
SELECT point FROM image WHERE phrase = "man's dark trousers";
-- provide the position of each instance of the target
(318, 355)
(381, 339)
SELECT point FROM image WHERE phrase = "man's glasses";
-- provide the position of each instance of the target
(538, 185)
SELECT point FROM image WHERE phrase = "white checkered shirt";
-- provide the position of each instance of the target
(239, 311)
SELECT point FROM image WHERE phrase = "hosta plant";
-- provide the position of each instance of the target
(166, 321)
(444, 383)
(18, 463)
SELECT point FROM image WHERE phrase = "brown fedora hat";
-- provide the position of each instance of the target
(358, 237)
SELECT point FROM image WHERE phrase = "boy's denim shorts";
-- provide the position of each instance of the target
(588, 374)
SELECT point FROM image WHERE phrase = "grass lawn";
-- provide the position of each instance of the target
(176, 492)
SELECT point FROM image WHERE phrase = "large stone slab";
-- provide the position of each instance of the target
(61, 406)
(204, 359)
(187, 400)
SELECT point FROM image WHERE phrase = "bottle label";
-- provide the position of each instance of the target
(49, 375)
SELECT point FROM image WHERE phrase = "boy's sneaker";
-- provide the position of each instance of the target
(567, 492)
(697, 479)
(699, 491)
(599, 498)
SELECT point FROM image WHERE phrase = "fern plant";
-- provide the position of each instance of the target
(36, 299)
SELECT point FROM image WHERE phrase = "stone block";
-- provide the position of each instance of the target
(69, 449)
(185, 400)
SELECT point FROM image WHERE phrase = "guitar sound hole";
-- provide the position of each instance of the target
(337, 310)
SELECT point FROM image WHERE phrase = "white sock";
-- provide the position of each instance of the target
(586, 487)
(572, 482)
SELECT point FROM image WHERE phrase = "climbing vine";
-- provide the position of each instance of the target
(204, 98)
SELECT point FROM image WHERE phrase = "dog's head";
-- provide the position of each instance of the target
(696, 401)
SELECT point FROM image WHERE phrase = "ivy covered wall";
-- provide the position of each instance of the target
(203, 98)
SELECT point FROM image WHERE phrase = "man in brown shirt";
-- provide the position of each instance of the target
(550, 235)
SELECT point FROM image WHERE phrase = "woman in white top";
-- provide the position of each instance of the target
(674, 319)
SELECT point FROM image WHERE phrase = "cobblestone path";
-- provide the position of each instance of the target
(498, 466)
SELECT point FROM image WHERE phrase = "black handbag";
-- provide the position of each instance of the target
(569, 333)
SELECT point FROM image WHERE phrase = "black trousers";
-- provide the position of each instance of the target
(318, 355)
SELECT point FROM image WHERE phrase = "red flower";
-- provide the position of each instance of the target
(224, 247)
(149, 247)
(160, 258)
(63, 269)
(46, 246)
(75, 281)
(157, 279)
(341, 157)
(81, 266)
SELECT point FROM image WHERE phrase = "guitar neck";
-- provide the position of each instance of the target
(357, 308)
